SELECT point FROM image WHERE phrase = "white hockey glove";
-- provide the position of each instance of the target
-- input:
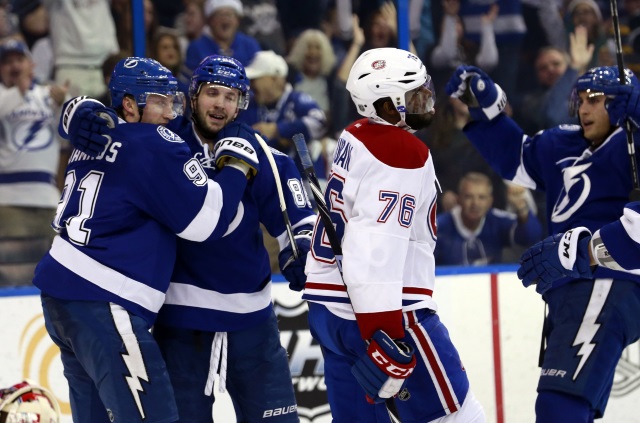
(237, 142)
(472, 86)
(383, 369)
(556, 257)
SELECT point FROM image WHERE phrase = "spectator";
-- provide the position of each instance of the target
(556, 73)
(223, 18)
(381, 28)
(279, 112)
(449, 145)
(29, 154)
(165, 48)
(261, 21)
(192, 24)
(313, 60)
(82, 35)
(509, 30)
(343, 111)
(453, 50)
(474, 233)
(587, 13)
(124, 24)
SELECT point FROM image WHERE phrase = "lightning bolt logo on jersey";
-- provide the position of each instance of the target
(29, 152)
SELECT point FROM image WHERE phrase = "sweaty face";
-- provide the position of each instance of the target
(475, 199)
(594, 118)
(214, 107)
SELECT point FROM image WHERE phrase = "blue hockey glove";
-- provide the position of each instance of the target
(556, 257)
(86, 123)
(293, 269)
(237, 141)
(383, 369)
(625, 104)
(472, 86)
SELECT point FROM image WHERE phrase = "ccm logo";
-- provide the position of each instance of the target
(388, 367)
(237, 145)
(566, 243)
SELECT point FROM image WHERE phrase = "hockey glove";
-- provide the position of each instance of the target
(237, 141)
(383, 369)
(556, 257)
(472, 86)
(293, 269)
(86, 123)
(623, 105)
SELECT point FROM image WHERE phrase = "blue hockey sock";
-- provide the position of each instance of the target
(558, 407)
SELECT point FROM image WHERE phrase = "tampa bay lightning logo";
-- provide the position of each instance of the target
(169, 135)
(577, 187)
(130, 63)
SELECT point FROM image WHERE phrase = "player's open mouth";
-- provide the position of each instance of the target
(217, 117)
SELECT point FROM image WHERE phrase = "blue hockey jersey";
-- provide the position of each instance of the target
(225, 285)
(458, 245)
(583, 187)
(119, 215)
(622, 238)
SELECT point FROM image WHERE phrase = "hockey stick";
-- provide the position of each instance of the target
(330, 230)
(283, 204)
(635, 192)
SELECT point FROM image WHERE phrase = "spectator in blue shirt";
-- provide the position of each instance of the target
(475, 233)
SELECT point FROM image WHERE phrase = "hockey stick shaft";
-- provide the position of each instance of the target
(330, 230)
(283, 204)
(635, 193)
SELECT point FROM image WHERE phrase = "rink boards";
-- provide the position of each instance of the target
(494, 322)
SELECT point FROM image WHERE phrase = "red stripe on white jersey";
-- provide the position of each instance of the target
(420, 291)
(431, 359)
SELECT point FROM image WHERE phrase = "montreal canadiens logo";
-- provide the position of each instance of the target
(168, 135)
(379, 64)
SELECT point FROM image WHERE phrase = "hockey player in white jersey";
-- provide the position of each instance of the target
(585, 173)
(106, 275)
(377, 324)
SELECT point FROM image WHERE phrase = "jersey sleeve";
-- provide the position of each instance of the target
(509, 151)
(622, 237)
(176, 191)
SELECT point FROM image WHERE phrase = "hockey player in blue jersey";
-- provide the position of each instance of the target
(109, 268)
(586, 175)
(219, 302)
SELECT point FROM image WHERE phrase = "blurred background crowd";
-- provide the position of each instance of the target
(298, 55)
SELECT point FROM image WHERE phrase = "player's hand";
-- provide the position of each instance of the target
(383, 369)
(293, 269)
(237, 141)
(472, 86)
(556, 257)
(624, 104)
(87, 123)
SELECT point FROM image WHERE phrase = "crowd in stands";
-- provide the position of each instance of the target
(298, 55)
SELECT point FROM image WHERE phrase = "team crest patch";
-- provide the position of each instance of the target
(379, 64)
(169, 135)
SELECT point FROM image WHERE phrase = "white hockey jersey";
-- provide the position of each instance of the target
(29, 149)
(382, 197)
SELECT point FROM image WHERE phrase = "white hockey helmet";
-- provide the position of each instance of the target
(393, 73)
(27, 402)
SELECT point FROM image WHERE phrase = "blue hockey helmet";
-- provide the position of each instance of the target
(221, 70)
(595, 80)
(139, 77)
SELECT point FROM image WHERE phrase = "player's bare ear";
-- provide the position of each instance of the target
(387, 111)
